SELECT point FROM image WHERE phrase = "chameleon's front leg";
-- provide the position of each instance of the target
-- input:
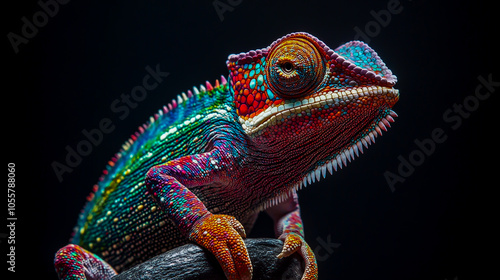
(288, 227)
(220, 234)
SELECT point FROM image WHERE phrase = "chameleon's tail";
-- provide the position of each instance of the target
(74, 262)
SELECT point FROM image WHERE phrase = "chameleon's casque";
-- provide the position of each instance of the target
(207, 163)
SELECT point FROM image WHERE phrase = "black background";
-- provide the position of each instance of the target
(437, 224)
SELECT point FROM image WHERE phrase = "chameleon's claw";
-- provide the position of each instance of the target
(223, 236)
(293, 242)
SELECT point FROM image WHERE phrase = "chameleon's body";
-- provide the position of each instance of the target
(287, 114)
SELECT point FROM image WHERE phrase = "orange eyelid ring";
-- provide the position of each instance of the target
(295, 67)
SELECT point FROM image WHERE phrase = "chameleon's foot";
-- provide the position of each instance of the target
(293, 242)
(73, 262)
(223, 236)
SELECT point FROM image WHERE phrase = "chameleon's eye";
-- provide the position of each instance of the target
(295, 67)
(287, 66)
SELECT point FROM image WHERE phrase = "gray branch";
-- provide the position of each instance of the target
(192, 262)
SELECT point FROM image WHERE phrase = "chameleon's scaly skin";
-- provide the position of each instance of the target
(206, 164)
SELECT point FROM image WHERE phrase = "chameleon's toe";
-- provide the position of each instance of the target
(223, 236)
(293, 242)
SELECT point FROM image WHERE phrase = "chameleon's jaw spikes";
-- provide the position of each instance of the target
(338, 160)
(349, 153)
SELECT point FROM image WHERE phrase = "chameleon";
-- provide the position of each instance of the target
(205, 165)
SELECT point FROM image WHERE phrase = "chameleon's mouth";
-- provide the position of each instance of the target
(339, 159)
(380, 122)
(276, 114)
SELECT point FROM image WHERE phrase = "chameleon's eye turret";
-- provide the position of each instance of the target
(295, 67)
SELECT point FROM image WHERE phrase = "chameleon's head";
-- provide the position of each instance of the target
(300, 92)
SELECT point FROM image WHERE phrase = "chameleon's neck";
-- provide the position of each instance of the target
(269, 171)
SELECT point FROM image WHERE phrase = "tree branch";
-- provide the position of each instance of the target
(192, 262)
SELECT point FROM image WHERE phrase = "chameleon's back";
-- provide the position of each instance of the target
(121, 222)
